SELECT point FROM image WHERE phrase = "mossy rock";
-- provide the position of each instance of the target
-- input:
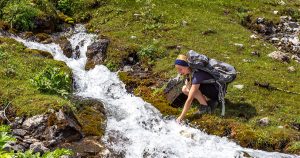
(39, 53)
(4, 26)
(42, 37)
(91, 115)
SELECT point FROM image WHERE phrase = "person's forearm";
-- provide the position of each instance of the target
(186, 107)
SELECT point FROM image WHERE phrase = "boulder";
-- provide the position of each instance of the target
(19, 132)
(66, 47)
(96, 53)
(280, 56)
(38, 147)
(33, 122)
(264, 121)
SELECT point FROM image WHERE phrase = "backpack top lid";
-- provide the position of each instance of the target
(196, 60)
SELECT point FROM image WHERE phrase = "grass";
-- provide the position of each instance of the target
(183, 23)
(17, 68)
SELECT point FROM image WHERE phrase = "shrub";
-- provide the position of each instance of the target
(53, 81)
(149, 52)
(65, 6)
(20, 14)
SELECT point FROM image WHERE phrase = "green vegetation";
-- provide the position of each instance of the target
(157, 31)
(17, 69)
(212, 28)
(5, 138)
(53, 81)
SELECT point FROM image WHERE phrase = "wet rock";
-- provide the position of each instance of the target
(38, 147)
(291, 69)
(96, 53)
(66, 46)
(39, 53)
(19, 132)
(264, 121)
(280, 56)
(40, 37)
(33, 122)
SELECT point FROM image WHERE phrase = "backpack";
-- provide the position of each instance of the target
(221, 72)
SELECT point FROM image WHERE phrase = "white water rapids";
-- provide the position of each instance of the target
(135, 129)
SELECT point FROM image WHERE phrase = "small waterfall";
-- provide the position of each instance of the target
(135, 129)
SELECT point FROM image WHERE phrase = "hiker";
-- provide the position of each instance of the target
(206, 94)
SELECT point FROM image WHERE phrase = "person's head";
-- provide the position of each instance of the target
(182, 65)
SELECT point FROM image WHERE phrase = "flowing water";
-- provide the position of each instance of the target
(135, 129)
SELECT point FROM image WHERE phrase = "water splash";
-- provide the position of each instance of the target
(134, 127)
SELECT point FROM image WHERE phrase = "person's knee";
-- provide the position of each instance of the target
(185, 90)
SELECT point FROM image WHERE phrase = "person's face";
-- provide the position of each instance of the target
(183, 70)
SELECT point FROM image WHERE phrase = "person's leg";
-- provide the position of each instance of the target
(199, 96)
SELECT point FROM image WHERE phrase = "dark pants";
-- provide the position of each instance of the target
(209, 90)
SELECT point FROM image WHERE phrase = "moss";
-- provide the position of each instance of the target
(294, 147)
(42, 36)
(17, 88)
(157, 100)
(92, 121)
(38, 53)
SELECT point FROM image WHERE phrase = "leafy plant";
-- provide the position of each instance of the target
(20, 14)
(3, 55)
(148, 53)
(65, 6)
(53, 81)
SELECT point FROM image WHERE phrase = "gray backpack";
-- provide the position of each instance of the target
(222, 73)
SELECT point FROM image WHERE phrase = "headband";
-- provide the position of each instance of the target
(181, 62)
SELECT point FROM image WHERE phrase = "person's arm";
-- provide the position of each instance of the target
(188, 102)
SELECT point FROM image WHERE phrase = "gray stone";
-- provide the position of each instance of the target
(19, 132)
(127, 68)
(264, 121)
(293, 25)
(260, 20)
(255, 53)
(274, 39)
(239, 45)
(38, 147)
(184, 23)
(296, 58)
(33, 122)
(280, 56)
(291, 69)
(18, 147)
(30, 140)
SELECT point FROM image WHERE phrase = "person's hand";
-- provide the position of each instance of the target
(179, 119)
